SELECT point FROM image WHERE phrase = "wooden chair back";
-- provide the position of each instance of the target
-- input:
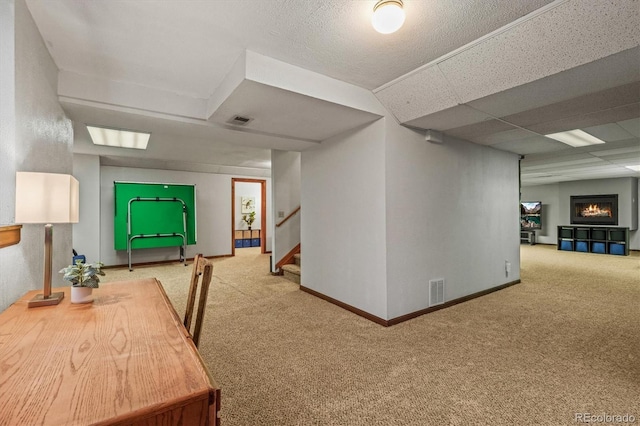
(201, 275)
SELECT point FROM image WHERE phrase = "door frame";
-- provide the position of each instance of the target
(263, 212)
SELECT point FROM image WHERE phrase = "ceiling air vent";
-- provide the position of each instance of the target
(239, 120)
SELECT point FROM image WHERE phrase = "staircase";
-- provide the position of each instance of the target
(292, 271)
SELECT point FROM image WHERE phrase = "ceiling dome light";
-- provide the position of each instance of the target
(388, 16)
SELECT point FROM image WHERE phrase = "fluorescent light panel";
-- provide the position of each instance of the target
(634, 168)
(118, 138)
(575, 138)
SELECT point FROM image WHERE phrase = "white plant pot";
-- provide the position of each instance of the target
(81, 294)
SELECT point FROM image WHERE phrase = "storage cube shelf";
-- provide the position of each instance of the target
(247, 238)
(602, 240)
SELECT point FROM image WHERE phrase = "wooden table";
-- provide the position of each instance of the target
(126, 358)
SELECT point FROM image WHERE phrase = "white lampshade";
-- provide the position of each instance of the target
(46, 198)
(388, 16)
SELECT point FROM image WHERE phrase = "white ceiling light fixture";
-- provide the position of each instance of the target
(118, 137)
(634, 168)
(576, 138)
(388, 16)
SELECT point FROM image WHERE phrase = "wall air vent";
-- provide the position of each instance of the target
(436, 292)
(239, 120)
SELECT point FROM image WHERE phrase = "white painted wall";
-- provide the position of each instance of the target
(556, 197)
(343, 223)
(285, 175)
(247, 189)
(86, 233)
(35, 135)
(385, 211)
(451, 212)
(213, 205)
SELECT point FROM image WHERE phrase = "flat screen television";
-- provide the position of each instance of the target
(530, 215)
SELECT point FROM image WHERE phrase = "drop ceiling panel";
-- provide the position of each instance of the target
(587, 120)
(572, 34)
(459, 115)
(538, 164)
(632, 126)
(609, 132)
(613, 71)
(531, 145)
(420, 94)
(479, 131)
(606, 153)
(624, 159)
(580, 106)
(507, 136)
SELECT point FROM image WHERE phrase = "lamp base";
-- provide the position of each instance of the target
(39, 300)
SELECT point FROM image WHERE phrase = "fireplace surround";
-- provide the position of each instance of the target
(594, 209)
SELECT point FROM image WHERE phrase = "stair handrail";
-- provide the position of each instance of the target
(296, 210)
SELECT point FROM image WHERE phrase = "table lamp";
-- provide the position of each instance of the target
(46, 198)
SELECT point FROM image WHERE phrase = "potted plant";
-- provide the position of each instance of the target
(84, 278)
(249, 218)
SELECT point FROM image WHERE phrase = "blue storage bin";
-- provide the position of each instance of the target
(255, 242)
(238, 243)
(616, 249)
(582, 246)
(598, 248)
(246, 243)
(566, 245)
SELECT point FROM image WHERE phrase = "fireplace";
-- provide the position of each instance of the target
(594, 209)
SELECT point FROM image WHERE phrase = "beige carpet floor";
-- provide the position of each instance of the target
(564, 341)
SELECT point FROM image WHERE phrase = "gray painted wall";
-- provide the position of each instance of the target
(86, 233)
(213, 205)
(556, 204)
(385, 211)
(343, 222)
(452, 213)
(285, 175)
(35, 136)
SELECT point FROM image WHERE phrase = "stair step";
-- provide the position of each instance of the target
(292, 272)
(298, 259)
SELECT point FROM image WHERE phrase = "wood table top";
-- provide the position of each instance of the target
(113, 361)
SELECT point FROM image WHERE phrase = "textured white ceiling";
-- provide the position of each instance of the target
(189, 46)
(462, 66)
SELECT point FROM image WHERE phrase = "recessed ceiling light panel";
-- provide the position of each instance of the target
(575, 138)
(634, 168)
(118, 138)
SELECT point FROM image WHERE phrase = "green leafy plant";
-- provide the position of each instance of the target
(249, 218)
(83, 274)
